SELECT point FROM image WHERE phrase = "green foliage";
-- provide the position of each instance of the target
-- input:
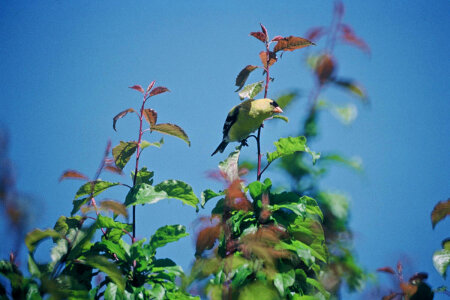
(290, 145)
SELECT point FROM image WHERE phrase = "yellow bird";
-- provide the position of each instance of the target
(245, 118)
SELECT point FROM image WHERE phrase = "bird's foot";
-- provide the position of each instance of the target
(244, 143)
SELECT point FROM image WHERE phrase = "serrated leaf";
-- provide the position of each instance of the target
(114, 206)
(259, 35)
(290, 145)
(94, 188)
(73, 174)
(102, 264)
(292, 43)
(151, 116)
(251, 90)
(34, 237)
(158, 90)
(263, 57)
(137, 88)
(281, 118)
(440, 211)
(353, 87)
(243, 76)
(145, 144)
(441, 261)
(180, 190)
(123, 152)
(121, 115)
(171, 129)
(167, 234)
(208, 195)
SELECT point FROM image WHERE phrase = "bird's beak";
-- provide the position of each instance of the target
(277, 110)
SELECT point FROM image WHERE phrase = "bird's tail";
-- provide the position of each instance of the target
(221, 147)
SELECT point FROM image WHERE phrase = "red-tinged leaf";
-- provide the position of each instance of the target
(206, 239)
(137, 88)
(325, 68)
(399, 268)
(348, 36)
(243, 76)
(115, 207)
(259, 35)
(386, 270)
(73, 174)
(151, 116)
(264, 30)
(114, 169)
(292, 43)
(315, 33)
(277, 38)
(263, 57)
(339, 9)
(158, 90)
(150, 86)
(171, 129)
(440, 211)
(391, 296)
(121, 115)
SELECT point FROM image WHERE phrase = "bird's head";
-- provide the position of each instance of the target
(276, 108)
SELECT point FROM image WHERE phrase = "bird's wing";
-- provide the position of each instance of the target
(231, 119)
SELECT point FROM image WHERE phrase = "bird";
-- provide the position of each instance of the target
(245, 118)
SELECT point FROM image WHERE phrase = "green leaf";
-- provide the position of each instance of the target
(94, 188)
(208, 195)
(440, 211)
(171, 129)
(77, 204)
(240, 276)
(157, 292)
(102, 264)
(143, 176)
(145, 144)
(111, 292)
(346, 114)
(33, 267)
(123, 152)
(290, 145)
(337, 204)
(107, 222)
(121, 115)
(318, 286)
(281, 118)
(167, 234)
(353, 87)
(257, 188)
(441, 261)
(230, 165)
(251, 90)
(64, 223)
(243, 76)
(283, 281)
(144, 193)
(34, 237)
(180, 190)
(114, 248)
(353, 162)
(285, 100)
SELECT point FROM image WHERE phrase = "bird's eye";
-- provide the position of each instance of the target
(275, 104)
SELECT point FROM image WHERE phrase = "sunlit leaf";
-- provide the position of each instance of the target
(440, 211)
(121, 115)
(259, 35)
(158, 90)
(441, 261)
(240, 275)
(123, 152)
(145, 144)
(114, 206)
(286, 99)
(150, 86)
(180, 190)
(208, 195)
(277, 38)
(143, 176)
(243, 76)
(73, 174)
(283, 281)
(171, 129)
(144, 193)
(151, 116)
(64, 224)
(107, 222)
(292, 43)
(251, 90)
(34, 237)
(352, 162)
(137, 88)
(346, 114)
(353, 87)
(94, 188)
(284, 118)
(263, 57)
(102, 264)
(167, 234)
(230, 167)
(290, 145)
(318, 286)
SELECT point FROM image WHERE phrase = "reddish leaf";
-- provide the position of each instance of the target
(400, 268)
(171, 129)
(158, 90)
(440, 211)
(151, 116)
(114, 169)
(386, 270)
(339, 9)
(72, 174)
(325, 68)
(348, 36)
(206, 239)
(121, 115)
(391, 296)
(263, 57)
(315, 33)
(137, 88)
(292, 43)
(264, 30)
(150, 86)
(277, 38)
(115, 207)
(259, 35)
(243, 76)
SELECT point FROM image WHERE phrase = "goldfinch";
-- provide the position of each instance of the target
(245, 118)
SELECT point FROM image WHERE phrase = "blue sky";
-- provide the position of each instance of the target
(65, 68)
